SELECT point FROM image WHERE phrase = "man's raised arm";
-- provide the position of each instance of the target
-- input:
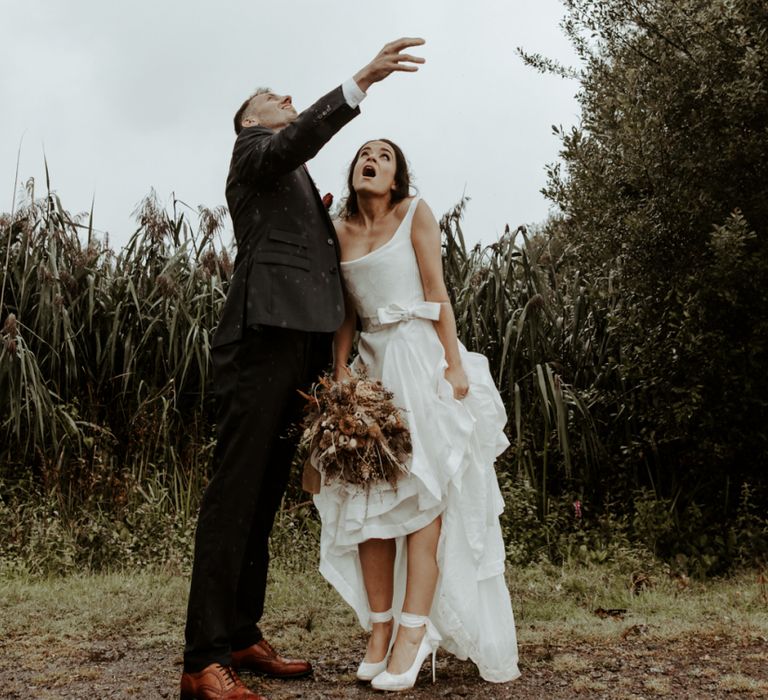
(265, 153)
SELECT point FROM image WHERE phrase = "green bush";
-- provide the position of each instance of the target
(661, 191)
(41, 537)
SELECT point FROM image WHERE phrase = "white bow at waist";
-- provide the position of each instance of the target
(395, 313)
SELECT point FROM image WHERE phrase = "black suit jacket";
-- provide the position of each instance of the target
(286, 270)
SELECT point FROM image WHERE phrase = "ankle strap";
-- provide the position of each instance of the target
(411, 620)
(385, 616)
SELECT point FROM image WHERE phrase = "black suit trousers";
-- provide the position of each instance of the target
(256, 381)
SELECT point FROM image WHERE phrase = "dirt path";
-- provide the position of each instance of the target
(636, 665)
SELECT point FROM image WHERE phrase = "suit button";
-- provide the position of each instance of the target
(333, 270)
(330, 241)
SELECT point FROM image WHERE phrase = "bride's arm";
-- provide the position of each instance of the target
(345, 335)
(425, 236)
(343, 339)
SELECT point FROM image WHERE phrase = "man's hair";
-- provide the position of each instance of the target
(244, 108)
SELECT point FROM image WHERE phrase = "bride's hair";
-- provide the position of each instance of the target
(402, 180)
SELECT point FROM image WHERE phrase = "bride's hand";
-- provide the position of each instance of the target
(457, 378)
(341, 373)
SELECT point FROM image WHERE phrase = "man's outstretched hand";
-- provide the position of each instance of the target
(389, 60)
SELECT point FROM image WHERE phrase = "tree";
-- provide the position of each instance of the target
(663, 187)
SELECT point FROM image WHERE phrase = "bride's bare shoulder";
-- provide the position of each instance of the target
(402, 206)
(341, 227)
(344, 230)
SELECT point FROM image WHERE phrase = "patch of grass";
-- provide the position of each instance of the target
(306, 614)
(657, 686)
(93, 607)
(555, 601)
(589, 685)
(549, 602)
(569, 662)
(738, 683)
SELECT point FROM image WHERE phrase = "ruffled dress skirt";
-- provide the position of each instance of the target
(455, 444)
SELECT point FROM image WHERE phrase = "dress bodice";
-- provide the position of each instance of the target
(385, 284)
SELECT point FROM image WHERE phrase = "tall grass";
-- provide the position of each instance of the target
(105, 357)
(517, 302)
(106, 407)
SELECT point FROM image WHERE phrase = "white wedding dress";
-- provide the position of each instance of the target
(455, 444)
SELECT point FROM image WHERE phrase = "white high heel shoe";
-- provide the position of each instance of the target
(367, 671)
(429, 643)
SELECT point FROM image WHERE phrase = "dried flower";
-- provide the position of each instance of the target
(68, 281)
(44, 274)
(11, 326)
(166, 285)
(209, 262)
(354, 432)
(10, 333)
(227, 265)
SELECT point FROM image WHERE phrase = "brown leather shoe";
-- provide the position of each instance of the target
(215, 682)
(262, 658)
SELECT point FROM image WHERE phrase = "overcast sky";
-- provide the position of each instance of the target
(122, 97)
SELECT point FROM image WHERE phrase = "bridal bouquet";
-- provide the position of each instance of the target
(354, 433)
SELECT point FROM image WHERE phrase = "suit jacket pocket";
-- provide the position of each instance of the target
(292, 237)
(279, 258)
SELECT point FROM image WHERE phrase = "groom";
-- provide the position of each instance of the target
(274, 336)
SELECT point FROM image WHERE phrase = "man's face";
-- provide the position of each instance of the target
(270, 110)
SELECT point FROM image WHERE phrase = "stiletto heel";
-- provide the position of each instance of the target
(367, 671)
(428, 645)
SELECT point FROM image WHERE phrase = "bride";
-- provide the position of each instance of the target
(422, 565)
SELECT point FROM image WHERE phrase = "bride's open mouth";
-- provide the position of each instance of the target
(369, 171)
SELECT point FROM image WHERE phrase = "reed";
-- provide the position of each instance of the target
(105, 359)
(105, 379)
(105, 356)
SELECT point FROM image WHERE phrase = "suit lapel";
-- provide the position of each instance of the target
(319, 200)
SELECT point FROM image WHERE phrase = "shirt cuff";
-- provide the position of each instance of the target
(352, 93)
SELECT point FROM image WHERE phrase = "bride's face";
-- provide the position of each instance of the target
(375, 169)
